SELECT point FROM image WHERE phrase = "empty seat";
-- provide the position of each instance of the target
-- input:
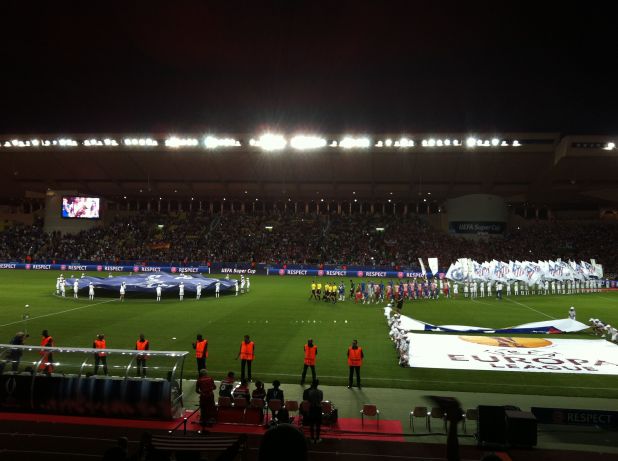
(419, 412)
(370, 410)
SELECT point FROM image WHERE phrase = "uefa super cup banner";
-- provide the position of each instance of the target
(507, 353)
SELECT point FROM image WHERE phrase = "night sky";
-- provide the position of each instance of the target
(333, 66)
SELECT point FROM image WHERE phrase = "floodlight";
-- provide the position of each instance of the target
(610, 146)
(515, 143)
(471, 142)
(270, 142)
(431, 142)
(439, 143)
(495, 142)
(388, 142)
(350, 143)
(304, 142)
(447, 142)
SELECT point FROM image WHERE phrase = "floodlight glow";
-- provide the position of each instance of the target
(176, 142)
(471, 142)
(379, 144)
(486, 143)
(351, 143)
(388, 142)
(610, 146)
(405, 142)
(212, 142)
(456, 142)
(516, 143)
(35, 142)
(447, 142)
(495, 142)
(431, 142)
(424, 143)
(304, 142)
(270, 142)
(439, 143)
(333, 144)
(504, 144)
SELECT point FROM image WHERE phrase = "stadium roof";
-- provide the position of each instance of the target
(543, 168)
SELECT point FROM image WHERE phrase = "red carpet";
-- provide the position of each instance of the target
(346, 428)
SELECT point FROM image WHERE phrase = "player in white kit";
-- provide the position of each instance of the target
(217, 289)
(90, 291)
(62, 288)
(489, 289)
(248, 284)
(181, 291)
(508, 288)
(57, 285)
(122, 291)
(572, 313)
(236, 286)
(75, 289)
(158, 290)
(482, 284)
(516, 288)
(198, 291)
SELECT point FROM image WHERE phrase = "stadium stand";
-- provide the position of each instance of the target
(330, 239)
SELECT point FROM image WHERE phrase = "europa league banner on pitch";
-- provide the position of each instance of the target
(507, 353)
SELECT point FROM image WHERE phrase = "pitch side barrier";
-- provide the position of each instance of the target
(232, 269)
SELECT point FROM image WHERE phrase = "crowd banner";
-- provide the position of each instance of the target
(509, 353)
(463, 270)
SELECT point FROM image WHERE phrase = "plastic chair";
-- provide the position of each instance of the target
(292, 407)
(471, 414)
(419, 412)
(327, 409)
(437, 413)
(274, 406)
(370, 410)
(254, 414)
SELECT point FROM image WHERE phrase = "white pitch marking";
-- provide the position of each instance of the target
(532, 309)
(59, 312)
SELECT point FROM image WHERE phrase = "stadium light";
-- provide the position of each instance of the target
(379, 229)
(456, 142)
(471, 142)
(175, 142)
(305, 142)
(405, 142)
(447, 142)
(504, 144)
(268, 228)
(516, 143)
(379, 144)
(350, 142)
(495, 142)
(388, 142)
(270, 142)
(610, 146)
(212, 142)
(431, 142)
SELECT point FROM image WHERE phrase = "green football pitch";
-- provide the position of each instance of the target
(279, 316)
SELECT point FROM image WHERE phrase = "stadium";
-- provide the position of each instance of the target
(262, 208)
(324, 231)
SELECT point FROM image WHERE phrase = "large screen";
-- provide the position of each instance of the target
(80, 207)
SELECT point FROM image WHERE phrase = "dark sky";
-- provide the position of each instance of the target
(191, 65)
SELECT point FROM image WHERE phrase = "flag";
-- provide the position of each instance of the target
(433, 266)
(423, 271)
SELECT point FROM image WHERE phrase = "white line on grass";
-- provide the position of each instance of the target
(531, 308)
(431, 382)
(609, 299)
(59, 312)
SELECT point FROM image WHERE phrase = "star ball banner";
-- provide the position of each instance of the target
(507, 353)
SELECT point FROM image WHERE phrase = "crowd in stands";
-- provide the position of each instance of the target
(330, 239)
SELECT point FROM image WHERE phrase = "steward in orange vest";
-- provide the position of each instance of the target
(142, 344)
(47, 360)
(355, 360)
(246, 354)
(311, 350)
(100, 358)
(201, 352)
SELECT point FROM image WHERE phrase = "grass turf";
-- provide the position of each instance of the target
(279, 317)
